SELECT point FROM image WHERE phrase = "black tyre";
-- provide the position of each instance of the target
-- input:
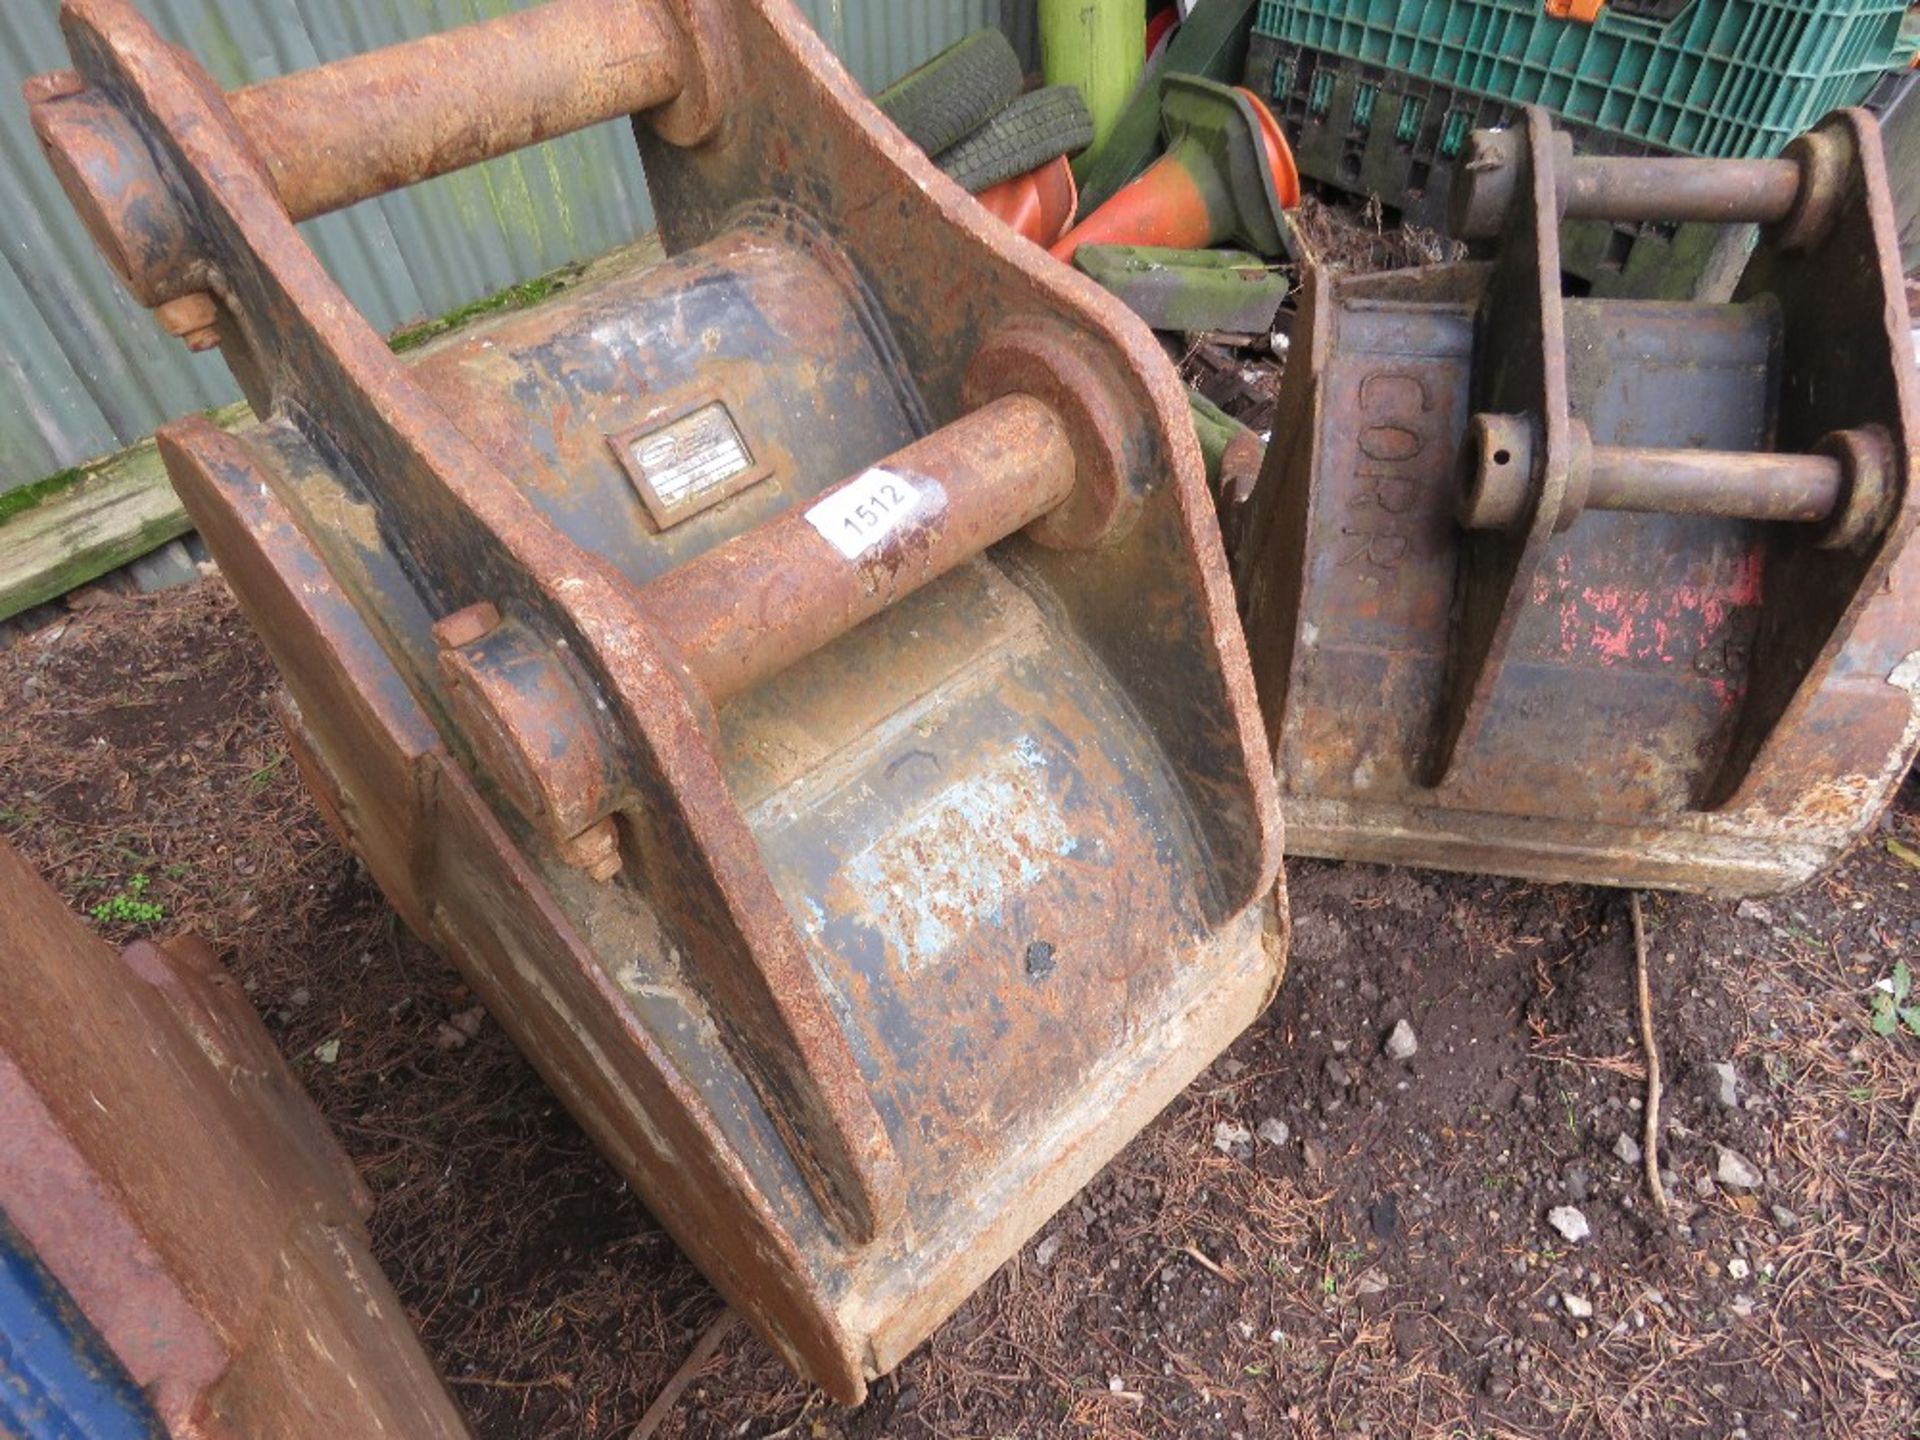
(1028, 133)
(955, 93)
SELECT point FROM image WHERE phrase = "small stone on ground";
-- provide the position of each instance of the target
(1402, 1043)
(1735, 1171)
(1233, 1139)
(1726, 1084)
(1571, 1224)
(1229, 1137)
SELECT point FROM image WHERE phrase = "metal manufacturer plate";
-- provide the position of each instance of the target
(688, 464)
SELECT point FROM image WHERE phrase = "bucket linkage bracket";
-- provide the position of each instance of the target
(1523, 375)
(1834, 493)
(794, 681)
(577, 659)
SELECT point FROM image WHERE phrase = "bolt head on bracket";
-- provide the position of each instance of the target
(192, 319)
(1497, 471)
(1488, 182)
(1868, 481)
(520, 709)
(710, 75)
(1056, 368)
(1825, 158)
(116, 189)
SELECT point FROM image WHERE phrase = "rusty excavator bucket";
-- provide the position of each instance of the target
(183, 1246)
(797, 683)
(1605, 590)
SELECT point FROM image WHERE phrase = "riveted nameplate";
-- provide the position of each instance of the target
(689, 463)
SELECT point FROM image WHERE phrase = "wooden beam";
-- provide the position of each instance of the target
(77, 526)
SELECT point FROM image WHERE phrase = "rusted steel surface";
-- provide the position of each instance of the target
(363, 126)
(370, 124)
(1499, 457)
(1658, 189)
(158, 1157)
(863, 875)
(1668, 189)
(1754, 486)
(1614, 591)
(1523, 373)
(743, 611)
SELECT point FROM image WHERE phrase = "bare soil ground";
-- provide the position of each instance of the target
(1385, 1269)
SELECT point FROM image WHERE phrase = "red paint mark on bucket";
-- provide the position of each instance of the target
(1619, 625)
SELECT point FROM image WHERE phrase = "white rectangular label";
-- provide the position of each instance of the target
(866, 510)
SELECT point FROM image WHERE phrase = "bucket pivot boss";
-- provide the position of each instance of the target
(796, 682)
(1605, 590)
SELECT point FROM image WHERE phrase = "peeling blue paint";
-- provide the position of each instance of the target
(928, 884)
(58, 1381)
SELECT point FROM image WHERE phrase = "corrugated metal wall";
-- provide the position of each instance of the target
(84, 370)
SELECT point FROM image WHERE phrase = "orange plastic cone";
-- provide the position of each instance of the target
(1039, 204)
(1227, 176)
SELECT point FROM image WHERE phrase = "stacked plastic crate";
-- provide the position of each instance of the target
(1378, 96)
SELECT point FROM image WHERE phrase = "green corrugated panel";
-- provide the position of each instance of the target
(83, 369)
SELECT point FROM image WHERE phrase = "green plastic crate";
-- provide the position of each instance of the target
(1735, 78)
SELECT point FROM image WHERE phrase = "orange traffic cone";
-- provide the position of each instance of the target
(1039, 204)
(1227, 176)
